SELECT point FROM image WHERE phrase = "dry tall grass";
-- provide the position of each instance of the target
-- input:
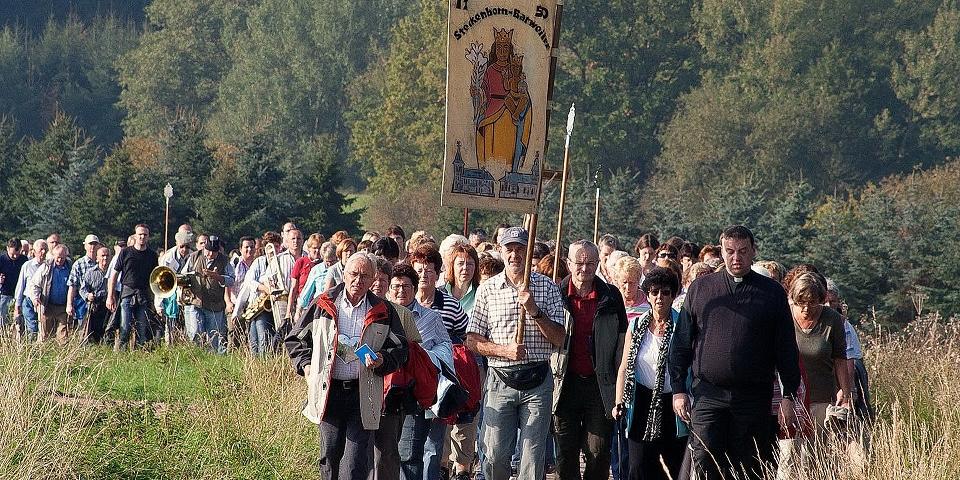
(38, 437)
(915, 383)
(916, 378)
(78, 412)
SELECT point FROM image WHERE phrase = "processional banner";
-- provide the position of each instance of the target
(498, 81)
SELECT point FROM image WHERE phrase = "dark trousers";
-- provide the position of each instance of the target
(581, 424)
(96, 322)
(386, 452)
(731, 433)
(345, 453)
(645, 457)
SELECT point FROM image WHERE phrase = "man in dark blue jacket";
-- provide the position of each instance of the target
(735, 330)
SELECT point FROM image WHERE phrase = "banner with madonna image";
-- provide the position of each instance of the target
(498, 81)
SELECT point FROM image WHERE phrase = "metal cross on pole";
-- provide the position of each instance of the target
(563, 187)
(167, 194)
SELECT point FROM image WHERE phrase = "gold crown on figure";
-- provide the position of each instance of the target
(503, 36)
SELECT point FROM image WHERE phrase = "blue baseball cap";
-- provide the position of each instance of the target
(514, 235)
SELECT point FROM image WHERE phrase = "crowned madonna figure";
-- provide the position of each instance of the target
(503, 117)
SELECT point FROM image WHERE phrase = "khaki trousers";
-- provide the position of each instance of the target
(55, 317)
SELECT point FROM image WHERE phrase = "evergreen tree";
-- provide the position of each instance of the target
(311, 184)
(401, 135)
(625, 63)
(177, 65)
(119, 196)
(186, 163)
(782, 233)
(58, 209)
(49, 181)
(11, 157)
(237, 195)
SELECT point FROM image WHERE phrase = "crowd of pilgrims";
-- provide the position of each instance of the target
(671, 360)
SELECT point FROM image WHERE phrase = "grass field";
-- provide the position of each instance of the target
(170, 413)
(182, 413)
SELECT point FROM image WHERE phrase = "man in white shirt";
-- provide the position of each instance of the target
(293, 245)
(22, 303)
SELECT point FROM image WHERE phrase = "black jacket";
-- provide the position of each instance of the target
(735, 338)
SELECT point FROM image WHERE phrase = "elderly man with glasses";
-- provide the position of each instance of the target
(329, 347)
(586, 366)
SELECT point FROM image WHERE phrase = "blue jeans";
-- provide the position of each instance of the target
(421, 441)
(129, 312)
(5, 301)
(213, 328)
(29, 316)
(260, 334)
(505, 410)
(433, 449)
(551, 457)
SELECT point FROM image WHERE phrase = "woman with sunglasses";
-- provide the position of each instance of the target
(667, 252)
(643, 395)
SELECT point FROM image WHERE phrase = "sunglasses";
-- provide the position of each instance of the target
(666, 255)
(656, 292)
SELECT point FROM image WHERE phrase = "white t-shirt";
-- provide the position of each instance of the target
(647, 363)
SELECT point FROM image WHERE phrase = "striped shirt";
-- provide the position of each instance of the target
(466, 301)
(496, 314)
(95, 282)
(79, 269)
(346, 365)
(454, 320)
(430, 326)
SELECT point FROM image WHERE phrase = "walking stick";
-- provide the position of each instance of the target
(86, 321)
(620, 447)
(40, 325)
(563, 189)
(531, 239)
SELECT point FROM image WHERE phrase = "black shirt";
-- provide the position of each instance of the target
(135, 267)
(11, 270)
(735, 335)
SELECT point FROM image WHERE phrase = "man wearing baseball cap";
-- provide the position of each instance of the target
(213, 275)
(519, 385)
(80, 268)
(174, 258)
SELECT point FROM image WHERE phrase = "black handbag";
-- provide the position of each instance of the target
(523, 377)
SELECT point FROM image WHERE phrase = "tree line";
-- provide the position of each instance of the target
(829, 125)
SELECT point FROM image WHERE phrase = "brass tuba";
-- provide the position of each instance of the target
(164, 281)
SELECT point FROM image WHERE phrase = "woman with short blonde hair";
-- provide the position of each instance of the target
(629, 272)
